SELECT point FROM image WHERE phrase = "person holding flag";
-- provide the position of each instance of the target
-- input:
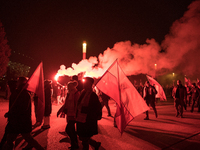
(150, 96)
(160, 92)
(19, 116)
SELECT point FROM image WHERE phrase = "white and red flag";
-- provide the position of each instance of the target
(188, 82)
(160, 92)
(36, 85)
(129, 102)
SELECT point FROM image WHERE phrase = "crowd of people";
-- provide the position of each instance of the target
(82, 105)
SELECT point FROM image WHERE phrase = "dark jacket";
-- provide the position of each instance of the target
(150, 93)
(94, 113)
(48, 104)
(19, 115)
(179, 93)
(195, 93)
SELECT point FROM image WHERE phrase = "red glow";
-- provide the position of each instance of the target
(56, 77)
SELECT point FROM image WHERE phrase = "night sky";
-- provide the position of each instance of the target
(52, 31)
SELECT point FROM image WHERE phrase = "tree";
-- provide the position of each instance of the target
(5, 51)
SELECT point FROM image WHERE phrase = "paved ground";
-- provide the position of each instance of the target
(165, 132)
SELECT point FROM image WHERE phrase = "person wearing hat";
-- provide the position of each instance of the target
(195, 94)
(149, 95)
(69, 108)
(88, 113)
(19, 116)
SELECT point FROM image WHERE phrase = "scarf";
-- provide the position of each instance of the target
(81, 117)
(70, 104)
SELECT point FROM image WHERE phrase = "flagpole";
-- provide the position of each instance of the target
(119, 93)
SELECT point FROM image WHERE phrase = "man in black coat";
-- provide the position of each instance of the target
(150, 97)
(88, 113)
(179, 94)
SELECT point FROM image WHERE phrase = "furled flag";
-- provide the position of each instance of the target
(36, 85)
(129, 102)
(188, 82)
(161, 93)
(198, 82)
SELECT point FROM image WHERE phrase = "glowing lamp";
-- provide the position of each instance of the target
(155, 66)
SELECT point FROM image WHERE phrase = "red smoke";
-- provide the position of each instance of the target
(181, 52)
(182, 44)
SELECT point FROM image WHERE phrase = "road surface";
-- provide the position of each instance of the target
(165, 132)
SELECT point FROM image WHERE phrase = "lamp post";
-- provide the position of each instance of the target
(155, 70)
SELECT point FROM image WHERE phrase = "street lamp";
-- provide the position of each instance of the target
(173, 74)
(155, 69)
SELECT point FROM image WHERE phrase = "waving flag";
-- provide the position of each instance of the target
(36, 85)
(115, 84)
(161, 93)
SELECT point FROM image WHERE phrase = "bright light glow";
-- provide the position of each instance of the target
(84, 47)
(173, 74)
(155, 66)
(56, 77)
(83, 80)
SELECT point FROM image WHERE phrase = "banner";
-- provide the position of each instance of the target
(115, 84)
(36, 85)
(161, 93)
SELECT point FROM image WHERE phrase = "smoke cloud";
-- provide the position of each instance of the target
(182, 44)
(179, 52)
